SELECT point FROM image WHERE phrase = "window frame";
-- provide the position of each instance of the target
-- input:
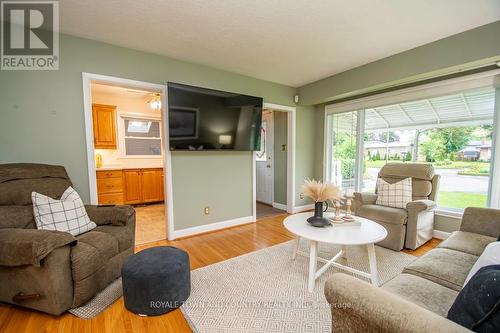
(121, 134)
(490, 79)
(328, 151)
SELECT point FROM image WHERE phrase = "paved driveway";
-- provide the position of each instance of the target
(451, 181)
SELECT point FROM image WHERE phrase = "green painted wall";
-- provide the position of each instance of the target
(42, 121)
(219, 180)
(465, 50)
(280, 156)
(305, 150)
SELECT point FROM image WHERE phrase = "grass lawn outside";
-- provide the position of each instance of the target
(474, 165)
(461, 199)
(469, 173)
(463, 165)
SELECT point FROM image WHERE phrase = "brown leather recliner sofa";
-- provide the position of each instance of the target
(53, 271)
(408, 227)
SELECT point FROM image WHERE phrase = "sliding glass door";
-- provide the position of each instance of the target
(454, 132)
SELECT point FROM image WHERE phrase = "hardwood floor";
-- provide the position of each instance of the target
(424, 248)
(203, 250)
(266, 211)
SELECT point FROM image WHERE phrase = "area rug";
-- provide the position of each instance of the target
(99, 302)
(265, 291)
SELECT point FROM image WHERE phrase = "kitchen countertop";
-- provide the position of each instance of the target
(105, 168)
(108, 168)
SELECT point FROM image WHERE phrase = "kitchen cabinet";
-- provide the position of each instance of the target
(110, 187)
(104, 123)
(161, 176)
(150, 185)
(133, 186)
(130, 186)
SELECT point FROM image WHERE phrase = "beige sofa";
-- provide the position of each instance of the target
(417, 300)
(410, 227)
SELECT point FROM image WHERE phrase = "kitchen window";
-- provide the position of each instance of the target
(141, 137)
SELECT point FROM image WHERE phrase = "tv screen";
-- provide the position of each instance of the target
(206, 119)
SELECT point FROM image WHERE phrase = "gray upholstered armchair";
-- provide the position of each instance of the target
(410, 227)
(53, 271)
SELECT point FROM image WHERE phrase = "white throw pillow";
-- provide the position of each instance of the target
(395, 195)
(67, 214)
(490, 256)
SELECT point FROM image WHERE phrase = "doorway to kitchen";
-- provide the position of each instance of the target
(127, 162)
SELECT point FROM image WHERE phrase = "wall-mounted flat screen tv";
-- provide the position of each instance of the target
(207, 119)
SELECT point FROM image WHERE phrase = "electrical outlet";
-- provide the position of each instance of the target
(207, 210)
(301, 195)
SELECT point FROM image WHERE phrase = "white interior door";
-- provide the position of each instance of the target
(264, 161)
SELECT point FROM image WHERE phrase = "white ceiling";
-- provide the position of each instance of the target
(292, 42)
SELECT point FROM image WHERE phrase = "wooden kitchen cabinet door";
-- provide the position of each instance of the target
(132, 186)
(150, 187)
(104, 121)
(161, 181)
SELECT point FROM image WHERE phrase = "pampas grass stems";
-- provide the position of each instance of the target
(320, 192)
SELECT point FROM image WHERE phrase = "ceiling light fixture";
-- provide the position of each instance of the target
(155, 101)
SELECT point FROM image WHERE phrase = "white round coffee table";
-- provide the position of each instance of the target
(364, 232)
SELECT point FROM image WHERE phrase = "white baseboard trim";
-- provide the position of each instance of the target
(441, 234)
(279, 206)
(212, 227)
(299, 209)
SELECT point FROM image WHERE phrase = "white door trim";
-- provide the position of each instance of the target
(88, 79)
(290, 157)
(254, 186)
(272, 156)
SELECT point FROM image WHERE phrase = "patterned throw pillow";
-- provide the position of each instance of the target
(67, 214)
(395, 195)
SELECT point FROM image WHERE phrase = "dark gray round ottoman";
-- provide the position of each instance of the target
(156, 280)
